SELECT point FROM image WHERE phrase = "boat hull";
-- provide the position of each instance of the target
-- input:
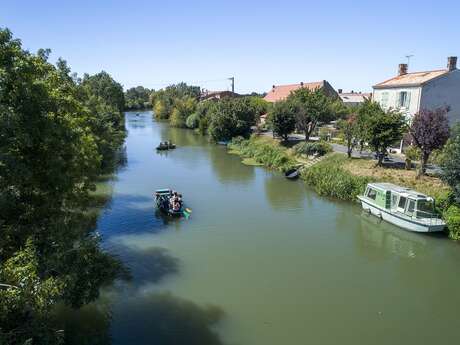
(399, 221)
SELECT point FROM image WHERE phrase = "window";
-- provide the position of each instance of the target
(425, 208)
(402, 202)
(371, 193)
(403, 99)
(394, 200)
(410, 208)
(384, 99)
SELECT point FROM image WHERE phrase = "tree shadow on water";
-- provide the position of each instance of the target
(149, 265)
(163, 319)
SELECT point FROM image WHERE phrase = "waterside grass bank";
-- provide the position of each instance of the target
(342, 178)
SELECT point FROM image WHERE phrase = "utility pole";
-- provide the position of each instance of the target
(233, 83)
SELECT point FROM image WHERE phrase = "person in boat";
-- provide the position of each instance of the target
(176, 206)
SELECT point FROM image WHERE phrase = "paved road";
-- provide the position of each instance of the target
(392, 159)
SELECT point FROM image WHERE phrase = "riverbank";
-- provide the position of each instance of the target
(338, 177)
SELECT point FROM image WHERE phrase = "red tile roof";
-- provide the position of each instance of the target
(280, 92)
(411, 79)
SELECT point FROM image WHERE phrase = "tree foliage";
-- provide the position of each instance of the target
(57, 132)
(450, 163)
(349, 128)
(282, 119)
(137, 98)
(231, 117)
(381, 128)
(312, 107)
(429, 131)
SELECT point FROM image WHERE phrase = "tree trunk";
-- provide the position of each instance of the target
(423, 161)
(349, 148)
(307, 135)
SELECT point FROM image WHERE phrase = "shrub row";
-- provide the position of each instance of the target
(270, 155)
(311, 148)
(328, 178)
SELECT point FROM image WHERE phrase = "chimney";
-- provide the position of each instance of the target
(273, 88)
(301, 84)
(451, 63)
(402, 69)
(340, 90)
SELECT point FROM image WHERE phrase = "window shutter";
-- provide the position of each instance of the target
(407, 99)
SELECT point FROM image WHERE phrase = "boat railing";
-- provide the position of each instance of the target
(432, 217)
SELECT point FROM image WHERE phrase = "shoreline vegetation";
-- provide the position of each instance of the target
(61, 135)
(342, 178)
(235, 119)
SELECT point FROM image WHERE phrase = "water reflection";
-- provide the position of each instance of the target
(228, 168)
(163, 319)
(376, 234)
(89, 325)
(283, 194)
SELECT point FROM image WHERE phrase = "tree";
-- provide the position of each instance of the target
(450, 162)
(429, 130)
(231, 117)
(183, 108)
(382, 128)
(312, 107)
(350, 131)
(282, 119)
(137, 98)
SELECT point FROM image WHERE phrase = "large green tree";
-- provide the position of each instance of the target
(282, 119)
(312, 107)
(50, 156)
(137, 98)
(381, 128)
(231, 117)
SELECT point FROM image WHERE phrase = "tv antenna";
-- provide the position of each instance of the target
(408, 57)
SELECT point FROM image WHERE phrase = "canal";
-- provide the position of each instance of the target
(262, 260)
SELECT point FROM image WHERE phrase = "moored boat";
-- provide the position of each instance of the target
(292, 174)
(402, 207)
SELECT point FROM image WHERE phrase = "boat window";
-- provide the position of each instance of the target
(410, 207)
(425, 208)
(372, 194)
(394, 199)
(402, 202)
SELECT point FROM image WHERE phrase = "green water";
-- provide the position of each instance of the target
(262, 260)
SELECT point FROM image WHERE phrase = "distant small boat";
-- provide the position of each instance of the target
(166, 146)
(137, 114)
(223, 142)
(292, 174)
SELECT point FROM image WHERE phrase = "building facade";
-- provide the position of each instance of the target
(411, 92)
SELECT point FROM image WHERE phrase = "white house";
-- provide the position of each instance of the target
(411, 92)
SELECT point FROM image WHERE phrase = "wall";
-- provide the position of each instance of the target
(444, 91)
(393, 96)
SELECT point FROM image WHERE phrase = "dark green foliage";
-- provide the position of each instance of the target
(231, 117)
(450, 162)
(57, 134)
(164, 100)
(329, 179)
(137, 98)
(381, 128)
(319, 148)
(265, 153)
(311, 108)
(452, 219)
(282, 119)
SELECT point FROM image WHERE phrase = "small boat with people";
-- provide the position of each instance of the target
(166, 145)
(292, 174)
(171, 203)
(402, 207)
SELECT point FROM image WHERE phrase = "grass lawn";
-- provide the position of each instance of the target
(432, 186)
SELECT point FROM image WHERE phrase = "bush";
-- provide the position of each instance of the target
(452, 218)
(311, 148)
(193, 121)
(268, 154)
(413, 153)
(329, 179)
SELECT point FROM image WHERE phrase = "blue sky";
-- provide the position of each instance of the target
(352, 44)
